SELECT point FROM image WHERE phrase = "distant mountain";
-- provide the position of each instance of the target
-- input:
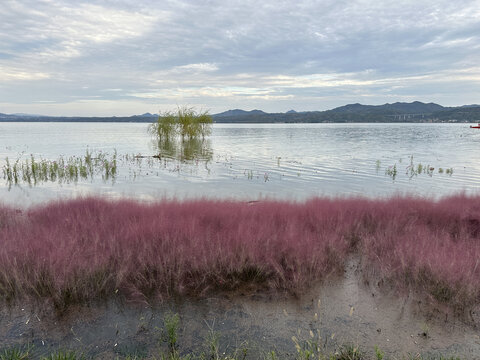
(147, 117)
(238, 112)
(353, 108)
(415, 107)
(396, 112)
(461, 113)
(147, 114)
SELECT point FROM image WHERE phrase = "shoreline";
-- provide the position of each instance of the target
(342, 313)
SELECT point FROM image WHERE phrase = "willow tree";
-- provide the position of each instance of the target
(185, 121)
(205, 124)
(166, 126)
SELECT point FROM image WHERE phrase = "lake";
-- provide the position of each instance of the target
(251, 161)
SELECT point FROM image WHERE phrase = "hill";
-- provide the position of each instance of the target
(238, 112)
(397, 112)
(415, 107)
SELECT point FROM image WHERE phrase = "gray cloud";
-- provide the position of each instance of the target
(58, 56)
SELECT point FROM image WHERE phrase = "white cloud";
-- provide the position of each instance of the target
(60, 30)
(197, 67)
(305, 53)
(8, 74)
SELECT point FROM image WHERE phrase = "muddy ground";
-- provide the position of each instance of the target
(349, 311)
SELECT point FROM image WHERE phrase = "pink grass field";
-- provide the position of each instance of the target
(83, 250)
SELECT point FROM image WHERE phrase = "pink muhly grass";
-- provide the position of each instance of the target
(88, 249)
(81, 250)
(433, 247)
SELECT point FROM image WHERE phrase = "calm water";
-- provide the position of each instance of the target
(293, 161)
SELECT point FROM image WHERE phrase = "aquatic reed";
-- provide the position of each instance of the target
(33, 171)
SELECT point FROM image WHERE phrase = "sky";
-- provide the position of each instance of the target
(126, 57)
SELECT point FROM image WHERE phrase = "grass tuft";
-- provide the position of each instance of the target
(64, 355)
(16, 353)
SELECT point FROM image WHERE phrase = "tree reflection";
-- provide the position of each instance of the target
(184, 150)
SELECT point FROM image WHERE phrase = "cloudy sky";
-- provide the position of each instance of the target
(124, 57)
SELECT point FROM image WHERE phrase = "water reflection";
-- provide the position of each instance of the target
(184, 150)
(298, 160)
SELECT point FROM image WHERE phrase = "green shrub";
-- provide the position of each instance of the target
(185, 121)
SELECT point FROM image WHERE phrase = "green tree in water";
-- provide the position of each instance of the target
(186, 122)
(181, 134)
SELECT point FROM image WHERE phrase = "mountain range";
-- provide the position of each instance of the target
(397, 112)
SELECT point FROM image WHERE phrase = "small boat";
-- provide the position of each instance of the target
(475, 127)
